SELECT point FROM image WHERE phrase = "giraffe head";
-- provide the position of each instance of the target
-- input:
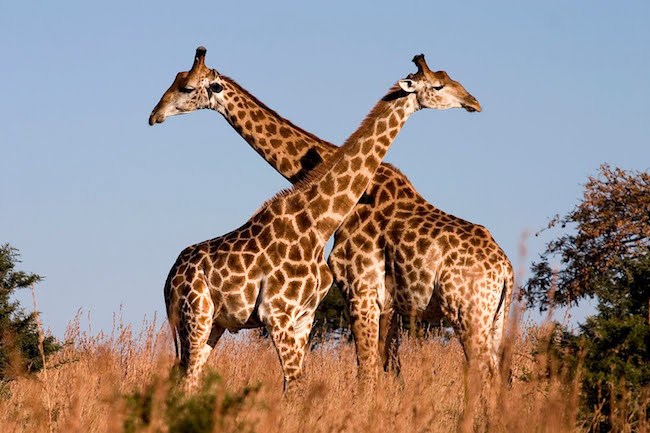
(437, 89)
(191, 90)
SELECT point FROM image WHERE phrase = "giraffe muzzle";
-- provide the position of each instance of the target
(472, 106)
(153, 119)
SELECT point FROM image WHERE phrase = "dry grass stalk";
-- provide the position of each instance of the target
(41, 339)
(94, 373)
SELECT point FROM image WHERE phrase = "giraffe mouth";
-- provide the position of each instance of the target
(470, 108)
(471, 104)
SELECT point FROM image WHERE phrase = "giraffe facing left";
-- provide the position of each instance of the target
(271, 271)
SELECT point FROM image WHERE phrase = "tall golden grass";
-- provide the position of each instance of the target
(92, 383)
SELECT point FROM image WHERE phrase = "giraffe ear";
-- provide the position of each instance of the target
(407, 85)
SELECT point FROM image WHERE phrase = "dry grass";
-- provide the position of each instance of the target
(86, 384)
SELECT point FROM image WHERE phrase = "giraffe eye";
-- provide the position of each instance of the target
(439, 87)
(216, 87)
(187, 89)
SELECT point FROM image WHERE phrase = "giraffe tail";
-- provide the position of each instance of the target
(175, 337)
(500, 305)
(172, 318)
(500, 317)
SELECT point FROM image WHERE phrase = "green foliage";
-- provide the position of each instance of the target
(616, 349)
(616, 341)
(611, 354)
(207, 410)
(607, 256)
(19, 337)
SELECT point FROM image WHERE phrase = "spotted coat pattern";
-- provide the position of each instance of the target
(394, 253)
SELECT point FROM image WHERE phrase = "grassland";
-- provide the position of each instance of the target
(121, 381)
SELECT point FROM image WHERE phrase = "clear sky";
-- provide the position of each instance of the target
(101, 204)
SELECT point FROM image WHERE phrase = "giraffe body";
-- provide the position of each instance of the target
(249, 278)
(451, 268)
(390, 253)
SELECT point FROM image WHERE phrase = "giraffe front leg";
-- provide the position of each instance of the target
(290, 349)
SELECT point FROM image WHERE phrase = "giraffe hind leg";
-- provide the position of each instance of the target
(475, 339)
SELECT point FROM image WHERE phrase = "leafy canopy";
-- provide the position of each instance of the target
(610, 227)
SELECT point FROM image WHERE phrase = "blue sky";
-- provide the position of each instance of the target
(100, 203)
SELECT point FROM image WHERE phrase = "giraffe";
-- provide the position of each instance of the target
(394, 253)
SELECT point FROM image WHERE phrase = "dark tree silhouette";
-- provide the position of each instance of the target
(19, 337)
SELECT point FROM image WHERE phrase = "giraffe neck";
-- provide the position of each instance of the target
(292, 151)
(333, 189)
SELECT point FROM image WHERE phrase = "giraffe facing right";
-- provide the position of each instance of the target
(395, 252)
(271, 271)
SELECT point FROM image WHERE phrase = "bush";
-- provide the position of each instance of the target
(210, 408)
(19, 333)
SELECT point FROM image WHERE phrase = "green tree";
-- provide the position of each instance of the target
(616, 344)
(605, 256)
(19, 337)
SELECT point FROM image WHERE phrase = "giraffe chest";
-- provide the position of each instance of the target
(287, 277)
(235, 299)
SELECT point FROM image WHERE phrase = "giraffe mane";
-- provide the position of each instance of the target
(401, 173)
(273, 112)
(368, 122)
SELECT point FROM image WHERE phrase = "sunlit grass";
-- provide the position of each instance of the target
(121, 382)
